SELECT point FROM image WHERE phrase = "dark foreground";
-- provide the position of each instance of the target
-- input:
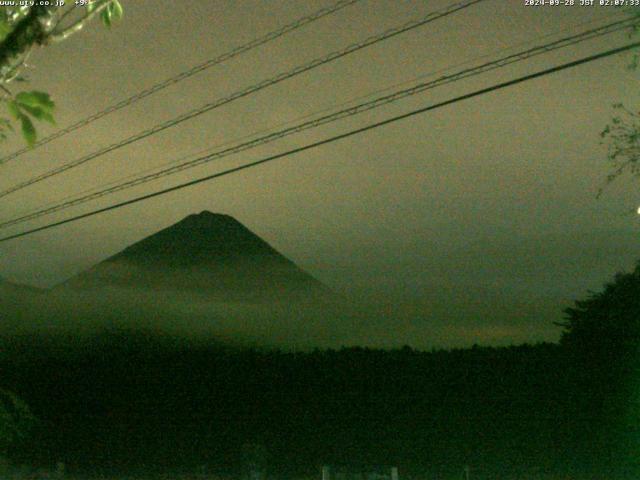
(144, 406)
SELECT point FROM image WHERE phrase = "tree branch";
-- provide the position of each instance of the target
(58, 36)
(31, 30)
(6, 91)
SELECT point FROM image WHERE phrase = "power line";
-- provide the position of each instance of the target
(335, 138)
(247, 91)
(257, 42)
(186, 158)
(141, 179)
(344, 113)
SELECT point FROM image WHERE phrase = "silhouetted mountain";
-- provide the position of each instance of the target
(15, 301)
(205, 278)
(206, 254)
(12, 287)
(13, 293)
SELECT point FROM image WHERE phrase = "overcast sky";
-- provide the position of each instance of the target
(476, 222)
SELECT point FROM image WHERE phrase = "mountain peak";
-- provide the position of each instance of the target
(199, 239)
(204, 252)
(208, 216)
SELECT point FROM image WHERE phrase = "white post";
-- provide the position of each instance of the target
(325, 472)
(394, 473)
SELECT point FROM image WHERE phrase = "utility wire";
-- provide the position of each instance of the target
(247, 91)
(347, 112)
(257, 42)
(209, 149)
(335, 138)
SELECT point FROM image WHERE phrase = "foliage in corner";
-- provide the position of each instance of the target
(622, 137)
(602, 334)
(24, 108)
(112, 13)
(24, 27)
(608, 320)
(622, 134)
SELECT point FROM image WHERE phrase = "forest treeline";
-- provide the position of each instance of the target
(136, 403)
(133, 402)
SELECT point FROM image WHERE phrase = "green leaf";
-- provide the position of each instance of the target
(105, 15)
(14, 109)
(112, 13)
(5, 28)
(39, 114)
(116, 10)
(28, 130)
(36, 99)
(38, 104)
(91, 6)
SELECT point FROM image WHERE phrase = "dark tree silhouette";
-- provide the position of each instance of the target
(607, 321)
(602, 336)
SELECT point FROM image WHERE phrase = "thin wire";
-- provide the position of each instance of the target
(208, 149)
(186, 74)
(354, 110)
(247, 91)
(211, 148)
(335, 138)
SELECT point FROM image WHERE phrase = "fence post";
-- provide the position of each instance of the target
(326, 474)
